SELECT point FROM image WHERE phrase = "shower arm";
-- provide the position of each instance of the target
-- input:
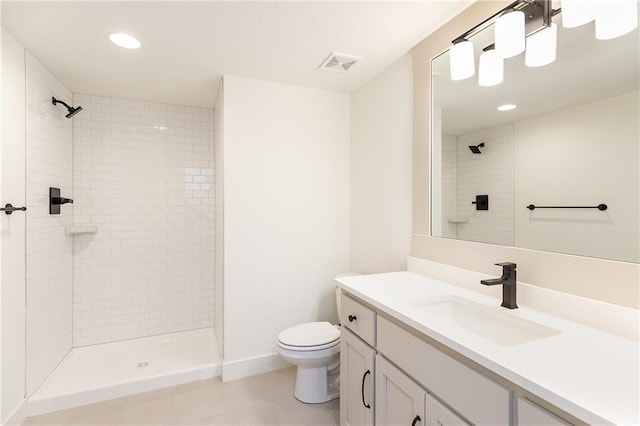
(58, 101)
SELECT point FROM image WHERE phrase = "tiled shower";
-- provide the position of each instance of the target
(143, 173)
(141, 176)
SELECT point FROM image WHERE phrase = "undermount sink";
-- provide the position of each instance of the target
(492, 323)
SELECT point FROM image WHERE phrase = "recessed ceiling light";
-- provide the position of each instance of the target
(124, 40)
(507, 107)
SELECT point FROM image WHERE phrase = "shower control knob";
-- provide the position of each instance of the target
(352, 318)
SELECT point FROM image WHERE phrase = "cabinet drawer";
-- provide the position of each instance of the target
(474, 396)
(529, 414)
(359, 319)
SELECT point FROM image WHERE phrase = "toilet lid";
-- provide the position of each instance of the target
(309, 334)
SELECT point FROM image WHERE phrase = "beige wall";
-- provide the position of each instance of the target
(286, 214)
(609, 281)
(381, 171)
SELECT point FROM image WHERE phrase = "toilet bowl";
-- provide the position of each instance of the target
(315, 348)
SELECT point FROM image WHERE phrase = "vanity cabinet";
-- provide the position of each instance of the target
(410, 378)
(477, 398)
(357, 377)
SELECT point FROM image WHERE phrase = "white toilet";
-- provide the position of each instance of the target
(315, 348)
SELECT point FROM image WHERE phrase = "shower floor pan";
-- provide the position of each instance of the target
(111, 370)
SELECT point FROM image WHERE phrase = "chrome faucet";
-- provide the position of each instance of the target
(508, 281)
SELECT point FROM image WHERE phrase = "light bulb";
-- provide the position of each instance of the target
(461, 60)
(509, 31)
(491, 68)
(615, 18)
(541, 47)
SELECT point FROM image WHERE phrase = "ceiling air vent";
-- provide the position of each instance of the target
(339, 62)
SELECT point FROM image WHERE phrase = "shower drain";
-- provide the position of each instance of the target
(143, 364)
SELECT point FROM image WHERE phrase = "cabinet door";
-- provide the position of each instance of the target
(530, 414)
(399, 400)
(357, 361)
(439, 415)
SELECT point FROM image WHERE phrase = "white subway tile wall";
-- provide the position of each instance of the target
(489, 173)
(449, 186)
(143, 173)
(49, 254)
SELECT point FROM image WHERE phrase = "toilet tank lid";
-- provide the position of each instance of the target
(310, 334)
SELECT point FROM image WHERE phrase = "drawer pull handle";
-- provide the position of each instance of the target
(416, 420)
(363, 378)
(352, 318)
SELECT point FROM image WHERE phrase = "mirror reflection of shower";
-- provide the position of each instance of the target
(476, 148)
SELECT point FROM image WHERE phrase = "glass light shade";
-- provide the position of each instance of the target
(509, 31)
(615, 18)
(577, 12)
(491, 69)
(541, 47)
(461, 60)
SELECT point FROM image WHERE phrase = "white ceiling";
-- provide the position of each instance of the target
(188, 46)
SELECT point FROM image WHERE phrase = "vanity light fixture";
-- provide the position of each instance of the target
(541, 47)
(462, 60)
(507, 107)
(528, 23)
(491, 68)
(124, 40)
(510, 33)
(512, 24)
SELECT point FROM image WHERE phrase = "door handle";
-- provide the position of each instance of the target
(8, 208)
(416, 420)
(363, 378)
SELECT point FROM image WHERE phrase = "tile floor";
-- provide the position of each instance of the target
(260, 400)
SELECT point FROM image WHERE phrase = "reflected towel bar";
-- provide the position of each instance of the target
(600, 207)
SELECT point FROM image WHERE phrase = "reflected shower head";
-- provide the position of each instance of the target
(72, 111)
(476, 148)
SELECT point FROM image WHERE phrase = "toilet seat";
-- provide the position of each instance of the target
(311, 336)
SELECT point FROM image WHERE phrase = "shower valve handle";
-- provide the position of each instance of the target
(61, 200)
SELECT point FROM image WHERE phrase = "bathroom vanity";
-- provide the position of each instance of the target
(417, 350)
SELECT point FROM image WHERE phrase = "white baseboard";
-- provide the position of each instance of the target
(232, 370)
(18, 416)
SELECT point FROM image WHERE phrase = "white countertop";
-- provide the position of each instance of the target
(591, 374)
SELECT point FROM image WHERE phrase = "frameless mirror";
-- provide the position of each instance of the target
(571, 142)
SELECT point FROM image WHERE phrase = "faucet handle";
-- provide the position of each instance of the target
(506, 265)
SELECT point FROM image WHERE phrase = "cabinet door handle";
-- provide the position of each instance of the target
(363, 378)
(352, 318)
(416, 420)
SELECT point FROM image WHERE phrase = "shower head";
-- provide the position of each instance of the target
(476, 148)
(72, 111)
